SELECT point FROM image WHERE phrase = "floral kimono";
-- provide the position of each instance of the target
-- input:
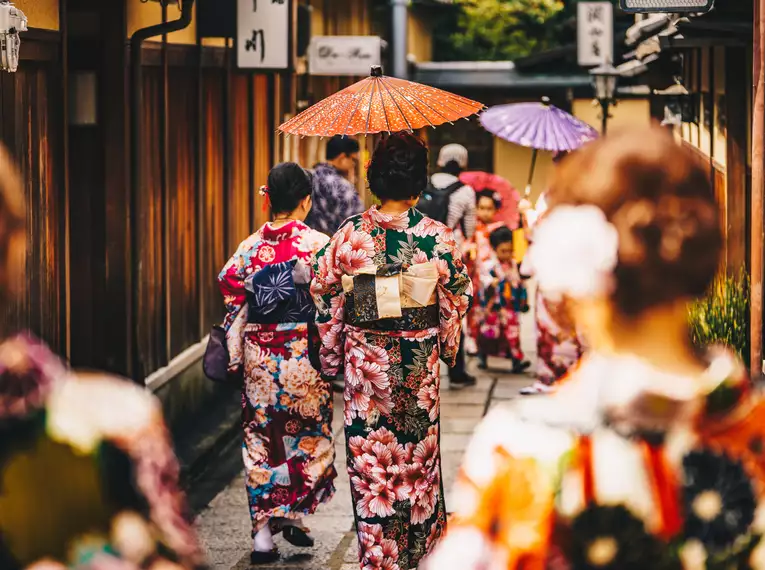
(625, 467)
(558, 349)
(478, 253)
(501, 299)
(89, 479)
(391, 292)
(287, 408)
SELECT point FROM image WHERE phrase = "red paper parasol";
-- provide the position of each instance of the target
(510, 197)
(380, 104)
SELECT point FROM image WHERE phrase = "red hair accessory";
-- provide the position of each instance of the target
(265, 193)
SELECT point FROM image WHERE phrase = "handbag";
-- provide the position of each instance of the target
(216, 358)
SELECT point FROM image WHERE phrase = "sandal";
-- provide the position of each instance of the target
(299, 537)
(258, 558)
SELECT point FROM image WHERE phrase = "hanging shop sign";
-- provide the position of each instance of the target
(595, 33)
(263, 34)
(648, 6)
(344, 55)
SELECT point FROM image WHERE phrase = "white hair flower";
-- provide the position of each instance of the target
(574, 252)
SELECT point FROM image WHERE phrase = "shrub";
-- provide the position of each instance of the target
(722, 317)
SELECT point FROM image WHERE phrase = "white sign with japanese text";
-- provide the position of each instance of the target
(344, 55)
(595, 33)
(263, 34)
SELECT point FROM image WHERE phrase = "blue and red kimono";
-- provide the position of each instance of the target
(288, 446)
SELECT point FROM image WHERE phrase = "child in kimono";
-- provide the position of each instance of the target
(479, 253)
(501, 300)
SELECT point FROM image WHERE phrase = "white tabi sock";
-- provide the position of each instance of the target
(263, 541)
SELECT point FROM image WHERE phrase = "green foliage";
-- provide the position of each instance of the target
(722, 317)
(497, 30)
(505, 29)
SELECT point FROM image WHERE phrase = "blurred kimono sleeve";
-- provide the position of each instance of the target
(455, 295)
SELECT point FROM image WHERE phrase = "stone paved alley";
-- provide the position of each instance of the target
(225, 525)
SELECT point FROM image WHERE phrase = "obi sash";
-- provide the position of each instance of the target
(279, 293)
(387, 298)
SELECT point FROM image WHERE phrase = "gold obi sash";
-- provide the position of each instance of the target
(386, 292)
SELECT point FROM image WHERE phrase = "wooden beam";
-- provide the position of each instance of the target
(736, 85)
(757, 233)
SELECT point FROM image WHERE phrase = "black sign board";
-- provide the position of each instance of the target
(676, 6)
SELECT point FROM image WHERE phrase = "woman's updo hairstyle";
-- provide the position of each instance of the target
(658, 196)
(288, 185)
(399, 167)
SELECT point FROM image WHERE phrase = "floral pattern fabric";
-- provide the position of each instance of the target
(478, 256)
(624, 467)
(98, 450)
(288, 448)
(392, 383)
(334, 200)
(558, 350)
(497, 311)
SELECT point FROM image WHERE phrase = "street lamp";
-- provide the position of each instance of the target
(604, 80)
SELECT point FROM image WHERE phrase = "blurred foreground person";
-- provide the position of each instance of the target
(650, 455)
(288, 448)
(88, 479)
(391, 291)
(559, 346)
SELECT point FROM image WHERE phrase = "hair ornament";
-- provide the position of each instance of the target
(574, 253)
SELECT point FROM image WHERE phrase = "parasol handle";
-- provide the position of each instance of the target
(376, 71)
(531, 171)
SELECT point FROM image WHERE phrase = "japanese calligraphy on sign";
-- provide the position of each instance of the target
(263, 34)
(595, 33)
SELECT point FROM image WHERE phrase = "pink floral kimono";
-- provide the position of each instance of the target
(391, 292)
(288, 447)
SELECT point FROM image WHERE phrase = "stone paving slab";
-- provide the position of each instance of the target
(465, 396)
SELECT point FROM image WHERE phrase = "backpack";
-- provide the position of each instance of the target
(434, 202)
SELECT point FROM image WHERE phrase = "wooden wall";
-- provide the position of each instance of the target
(31, 125)
(199, 198)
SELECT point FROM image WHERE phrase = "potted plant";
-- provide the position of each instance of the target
(722, 317)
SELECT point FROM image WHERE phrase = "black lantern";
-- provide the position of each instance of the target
(604, 81)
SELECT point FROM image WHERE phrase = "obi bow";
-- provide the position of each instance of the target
(275, 284)
(384, 292)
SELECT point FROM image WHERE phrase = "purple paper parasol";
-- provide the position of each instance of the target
(540, 126)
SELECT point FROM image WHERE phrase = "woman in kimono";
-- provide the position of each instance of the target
(89, 478)
(559, 347)
(391, 292)
(287, 408)
(650, 455)
(478, 253)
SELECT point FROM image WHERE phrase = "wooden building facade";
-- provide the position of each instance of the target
(125, 280)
